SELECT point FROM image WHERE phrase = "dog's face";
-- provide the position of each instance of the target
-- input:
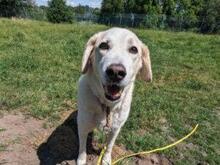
(116, 56)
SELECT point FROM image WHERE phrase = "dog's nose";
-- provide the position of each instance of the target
(116, 72)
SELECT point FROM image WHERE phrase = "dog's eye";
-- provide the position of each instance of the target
(133, 50)
(104, 46)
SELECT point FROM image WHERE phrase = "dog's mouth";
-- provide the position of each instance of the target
(113, 92)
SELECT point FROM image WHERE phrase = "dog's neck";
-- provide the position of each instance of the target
(108, 107)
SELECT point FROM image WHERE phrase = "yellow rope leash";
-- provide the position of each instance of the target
(147, 152)
(101, 155)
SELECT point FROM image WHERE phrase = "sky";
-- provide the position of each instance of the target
(91, 3)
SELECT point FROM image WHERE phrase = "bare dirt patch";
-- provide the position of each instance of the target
(27, 142)
(19, 133)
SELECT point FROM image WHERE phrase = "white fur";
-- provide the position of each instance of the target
(90, 90)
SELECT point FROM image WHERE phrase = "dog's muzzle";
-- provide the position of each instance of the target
(115, 73)
(113, 92)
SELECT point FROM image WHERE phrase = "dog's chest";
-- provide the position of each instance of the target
(112, 121)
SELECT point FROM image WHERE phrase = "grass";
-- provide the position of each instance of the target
(40, 66)
(2, 129)
(2, 147)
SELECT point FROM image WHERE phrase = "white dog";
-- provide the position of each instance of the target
(110, 63)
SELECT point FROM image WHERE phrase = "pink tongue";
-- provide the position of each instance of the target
(113, 91)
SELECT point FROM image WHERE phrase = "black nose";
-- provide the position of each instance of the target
(116, 72)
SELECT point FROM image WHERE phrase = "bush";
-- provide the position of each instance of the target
(59, 12)
(11, 8)
(210, 17)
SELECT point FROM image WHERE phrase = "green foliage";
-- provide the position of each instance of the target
(82, 9)
(22, 9)
(85, 10)
(210, 17)
(11, 8)
(35, 12)
(182, 14)
(188, 11)
(118, 6)
(169, 8)
(129, 6)
(3, 147)
(106, 7)
(112, 6)
(59, 12)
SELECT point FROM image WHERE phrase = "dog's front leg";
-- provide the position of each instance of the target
(106, 160)
(85, 125)
(82, 147)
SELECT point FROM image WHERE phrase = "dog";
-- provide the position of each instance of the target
(111, 62)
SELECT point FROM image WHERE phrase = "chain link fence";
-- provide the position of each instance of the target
(28, 12)
(178, 23)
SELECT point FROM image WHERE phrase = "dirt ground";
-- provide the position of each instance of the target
(26, 141)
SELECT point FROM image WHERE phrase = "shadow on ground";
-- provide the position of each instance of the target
(62, 145)
(61, 148)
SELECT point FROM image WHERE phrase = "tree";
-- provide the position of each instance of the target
(183, 14)
(107, 7)
(11, 8)
(210, 17)
(187, 11)
(58, 12)
(129, 6)
(169, 7)
(30, 2)
(117, 6)
(152, 7)
(112, 6)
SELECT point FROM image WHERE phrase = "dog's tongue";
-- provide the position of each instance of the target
(113, 89)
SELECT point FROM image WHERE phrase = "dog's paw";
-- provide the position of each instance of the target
(106, 160)
(81, 159)
(81, 162)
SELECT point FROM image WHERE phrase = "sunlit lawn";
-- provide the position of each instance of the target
(40, 66)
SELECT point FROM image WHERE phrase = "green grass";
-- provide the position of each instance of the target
(3, 147)
(40, 66)
(2, 129)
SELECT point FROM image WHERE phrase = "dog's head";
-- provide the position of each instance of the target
(116, 56)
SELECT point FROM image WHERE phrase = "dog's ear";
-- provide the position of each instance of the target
(86, 60)
(146, 72)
